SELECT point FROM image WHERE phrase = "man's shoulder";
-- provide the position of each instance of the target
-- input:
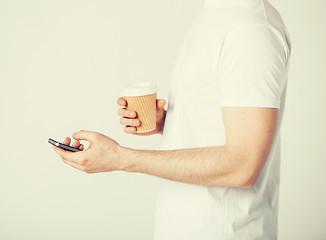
(226, 19)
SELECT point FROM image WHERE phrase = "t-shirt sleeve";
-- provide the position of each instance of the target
(252, 66)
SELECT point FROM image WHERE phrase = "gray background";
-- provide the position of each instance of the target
(62, 67)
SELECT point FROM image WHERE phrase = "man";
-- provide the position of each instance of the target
(220, 158)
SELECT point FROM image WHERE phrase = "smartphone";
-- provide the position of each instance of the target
(64, 146)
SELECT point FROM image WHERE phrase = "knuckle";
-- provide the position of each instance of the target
(96, 137)
(84, 162)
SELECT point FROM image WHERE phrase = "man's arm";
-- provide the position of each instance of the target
(249, 137)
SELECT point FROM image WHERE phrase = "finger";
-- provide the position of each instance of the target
(122, 102)
(130, 122)
(160, 103)
(85, 135)
(76, 157)
(129, 129)
(67, 141)
(76, 144)
(74, 165)
(126, 113)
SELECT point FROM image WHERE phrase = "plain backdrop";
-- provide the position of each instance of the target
(62, 67)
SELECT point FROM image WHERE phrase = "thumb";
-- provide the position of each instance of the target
(160, 103)
(85, 135)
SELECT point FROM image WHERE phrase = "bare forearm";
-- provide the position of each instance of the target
(211, 166)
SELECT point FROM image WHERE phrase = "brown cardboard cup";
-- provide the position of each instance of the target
(141, 98)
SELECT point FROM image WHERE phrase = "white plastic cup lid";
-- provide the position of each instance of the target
(139, 89)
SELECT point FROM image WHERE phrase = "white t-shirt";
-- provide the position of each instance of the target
(236, 53)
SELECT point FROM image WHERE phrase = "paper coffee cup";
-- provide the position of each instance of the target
(141, 98)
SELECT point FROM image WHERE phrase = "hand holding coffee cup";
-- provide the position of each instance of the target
(143, 114)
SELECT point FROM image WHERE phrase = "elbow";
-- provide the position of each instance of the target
(248, 182)
(243, 170)
(247, 175)
(241, 178)
(247, 166)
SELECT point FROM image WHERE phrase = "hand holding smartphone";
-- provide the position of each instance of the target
(63, 146)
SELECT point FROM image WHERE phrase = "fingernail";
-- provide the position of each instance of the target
(131, 114)
(135, 122)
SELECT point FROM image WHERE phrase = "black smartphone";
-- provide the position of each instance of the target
(64, 146)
